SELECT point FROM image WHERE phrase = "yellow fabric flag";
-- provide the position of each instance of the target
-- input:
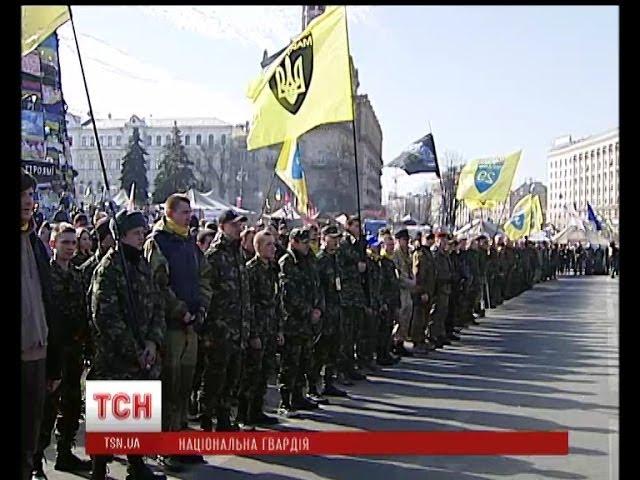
(536, 221)
(486, 182)
(307, 85)
(40, 22)
(520, 223)
(289, 169)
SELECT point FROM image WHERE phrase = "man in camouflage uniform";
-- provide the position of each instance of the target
(65, 402)
(246, 244)
(442, 290)
(352, 265)
(105, 242)
(327, 351)
(510, 270)
(482, 299)
(475, 288)
(468, 268)
(121, 352)
(226, 329)
(424, 274)
(366, 339)
(301, 314)
(460, 279)
(180, 272)
(265, 332)
(390, 292)
(402, 260)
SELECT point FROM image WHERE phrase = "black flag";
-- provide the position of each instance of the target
(419, 157)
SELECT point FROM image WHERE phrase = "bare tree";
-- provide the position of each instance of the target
(453, 163)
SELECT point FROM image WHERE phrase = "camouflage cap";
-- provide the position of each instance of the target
(127, 221)
(299, 234)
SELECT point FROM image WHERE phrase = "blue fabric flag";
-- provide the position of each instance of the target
(591, 214)
(419, 157)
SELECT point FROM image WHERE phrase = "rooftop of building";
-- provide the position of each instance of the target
(567, 141)
(107, 123)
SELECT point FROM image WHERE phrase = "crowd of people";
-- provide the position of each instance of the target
(219, 310)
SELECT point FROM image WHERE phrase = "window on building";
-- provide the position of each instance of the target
(158, 140)
(187, 140)
(84, 141)
(109, 139)
(223, 139)
(198, 139)
(118, 140)
(148, 143)
(168, 140)
(91, 142)
(211, 140)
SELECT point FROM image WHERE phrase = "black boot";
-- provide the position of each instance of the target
(206, 423)
(257, 416)
(66, 461)
(243, 408)
(224, 423)
(286, 409)
(99, 468)
(299, 402)
(38, 470)
(330, 390)
(137, 470)
(314, 396)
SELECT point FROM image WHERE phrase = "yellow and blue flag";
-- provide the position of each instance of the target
(307, 85)
(38, 22)
(525, 219)
(289, 169)
(486, 182)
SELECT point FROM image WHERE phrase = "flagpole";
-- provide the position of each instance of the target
(353, 121)
(129, 299)
(266, 197)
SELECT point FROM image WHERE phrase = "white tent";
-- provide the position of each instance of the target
(211, 204)
(573, 233)
(286, 213)
(479, 227)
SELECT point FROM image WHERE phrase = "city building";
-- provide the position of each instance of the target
(207, 142)
(533, 187)
(584, 170)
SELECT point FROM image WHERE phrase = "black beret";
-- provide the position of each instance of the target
(299, 234)
(102, 228)
(231, 216)
(129, 220)
(27, 181)
(403, 233)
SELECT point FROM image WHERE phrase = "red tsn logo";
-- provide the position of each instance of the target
(124, 406)
(120, 402)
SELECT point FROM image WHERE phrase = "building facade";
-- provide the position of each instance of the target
(207, 142)
(584, 170)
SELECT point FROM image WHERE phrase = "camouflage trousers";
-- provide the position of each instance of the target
(385, 329)
(222, 367)
(419, 321)
(440, 312)
(178, 368)
(496, 289)
(257, 367)
(326, 353)
(365, 335)
(296, 359)
(62, 408)
(351, 318)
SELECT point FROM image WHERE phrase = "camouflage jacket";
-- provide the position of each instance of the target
(444, 271)
(348, 255)
(67, 289)
(79, 258)
(331, 287)
(483, 260)
(296, 281)
(117, 351)
(404, 266)
(492, 262)
(473, 258)
(389, 282)
(424, 272)
(266, 319)
(174, 300)
(374, 274)
(229, 313)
